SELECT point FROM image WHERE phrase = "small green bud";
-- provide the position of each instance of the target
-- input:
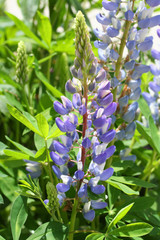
(52, 197)
(21, 63)
(85, 58)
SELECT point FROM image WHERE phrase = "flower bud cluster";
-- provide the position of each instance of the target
(21, 63)
(92, 101)
(125, 72)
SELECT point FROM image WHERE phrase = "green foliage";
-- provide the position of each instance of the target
(18, 216)
(132, 230)
(49, 230)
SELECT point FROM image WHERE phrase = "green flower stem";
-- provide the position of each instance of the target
(49, 166)
(85, 116)
(117, 71)
(25, 99)
(73, 219)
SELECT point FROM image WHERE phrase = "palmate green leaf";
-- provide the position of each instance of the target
(20, 24)
(13, 101)
(11, 162)
(18, 216)
(132, 181)
(54, 132)
(9, 80)
(119, 216)
(16, 154)
(28, 8)
(48, 231)
(21, 147)
(44, 80)
(42, 125)
(95, 236)
(9, 188)
(154, 133)
(132, 230)
(21, 118)
(122, 187)
(141, 203)
(45, 28)
(144, 108)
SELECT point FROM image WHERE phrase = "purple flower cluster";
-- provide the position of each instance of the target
(152, 97)
(95, 141)
(127, 70)
(92, 101)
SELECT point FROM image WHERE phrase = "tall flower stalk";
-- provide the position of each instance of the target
(119, 48)
(92, 102)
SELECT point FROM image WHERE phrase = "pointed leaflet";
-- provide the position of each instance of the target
(95, 236)
(44, 80)
(18, 216)
(21, 147)
(26, 30)
(45, 28)
(120, 215)
(52, 230)
(154, 134)
(132, 230)
(122, 187)
(42, 125)
(21, 118)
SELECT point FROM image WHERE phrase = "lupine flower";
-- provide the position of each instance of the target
(93, 100)
(137, 41)
(153, 98)
(34, 168)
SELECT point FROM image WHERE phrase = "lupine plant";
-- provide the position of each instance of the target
(87, 173)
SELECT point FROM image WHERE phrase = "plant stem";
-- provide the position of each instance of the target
(73, 218)
(85, 116)
(49, 166)
(117, 71)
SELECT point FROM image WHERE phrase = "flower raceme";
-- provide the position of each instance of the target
(127, 69)
(92, 101)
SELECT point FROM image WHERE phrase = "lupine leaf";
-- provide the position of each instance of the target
(21, 118)
(132, 181)
(144, 108)
(20, 24)
(28, 11)
(42, 125)
(21, 147)
(45, 28)
(133, 230)
(54, 132)
(145, 132)
(95, 236)
(154, 133)
(48, 231)
(122, 187)
(119, 216)
(16, 154)
(8, 188)
(44, 80)
(18, 216)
